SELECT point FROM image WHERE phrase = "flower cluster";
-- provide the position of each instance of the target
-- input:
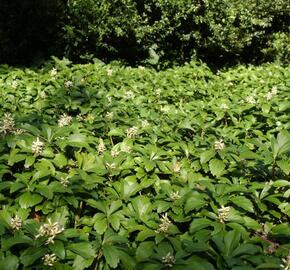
(7, 124)
(109, 115)
(219, 145)
(250, 99)
(53, 72)
(164, 225)
(16, 223)
(175, 196)
(68, 84)
(224, 106)
(126, 148)
(64, 181)
(80, 117)
(272, 93)
(132, 132)
(111, 166)
(18, 131)
(64, 120)
(49, 259)
(37, 147)
(90, 118)
(129, 95)
(14, 84)
(223, 213)
(286, 263)
(168, 260)
(49, 230)
(145, 124)
(158, 93)
(115, 153)
(43, 95)
(109, 72)
(101, 147)
(176, 167)
(165, 109)
(109, 98)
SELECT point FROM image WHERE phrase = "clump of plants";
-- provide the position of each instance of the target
(111, 167)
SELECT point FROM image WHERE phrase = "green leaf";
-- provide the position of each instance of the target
(196, 201)
(144, 234)
(58, 248)
(281, 229)
(45, 191)
(287, 194)
(16, 186)
(29, 161)
(129, 187)
(195, 262)
(115, 205)
(281, 144)
(251, 223)
(60, 160)
(162, 206)
(194, 247)
(111, 255)
(112, 237)
(100, 223)
(244, 203)
(71, 233)
(284, 165)
(216, 167)
(27, 200)
(81, 263)
(207, 155)
(144, 251)
(199, 224)
(14, 157)
(281, 183)
(76, 140)
(9, 263)
(267, 266)
(115, 221)
(100, 205)
(116, 132)
(30, 255)
(142, 206)
(127, 260)
(243, 268)
(231, 240)
(245, 249)
(83, 249)
(18, 238)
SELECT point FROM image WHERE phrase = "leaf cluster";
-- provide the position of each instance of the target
(181, 169)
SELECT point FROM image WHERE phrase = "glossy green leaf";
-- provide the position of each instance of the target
(217, 167)
(112, 255)
(83, 249)
(27, 199)
(243, 202)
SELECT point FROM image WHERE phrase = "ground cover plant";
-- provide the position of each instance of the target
(109, 167)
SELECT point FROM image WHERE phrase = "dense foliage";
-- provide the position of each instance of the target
(108, 167)
(30, 30)
(217, 31)
(157, 32)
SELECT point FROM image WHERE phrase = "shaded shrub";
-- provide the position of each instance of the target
(156, 32)
(29, 29)
(159, 30)
(279, 48)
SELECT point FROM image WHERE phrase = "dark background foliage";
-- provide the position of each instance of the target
(30, 30)
(154, 32)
